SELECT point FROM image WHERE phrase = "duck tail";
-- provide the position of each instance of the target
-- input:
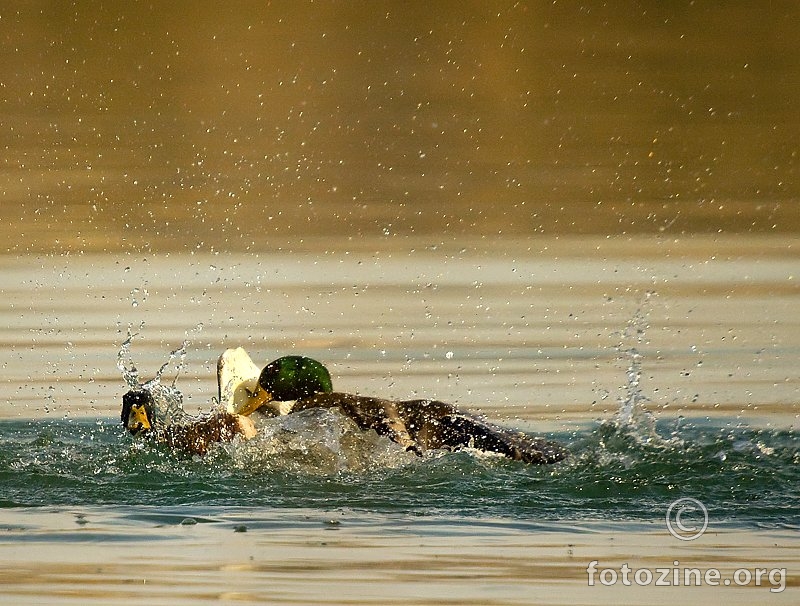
(463, 430)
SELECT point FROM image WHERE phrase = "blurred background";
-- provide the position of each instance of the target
(253, 126)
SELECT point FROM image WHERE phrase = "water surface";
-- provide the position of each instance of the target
(577, 220)
(667, 368)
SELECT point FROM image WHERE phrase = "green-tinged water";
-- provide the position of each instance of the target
(744, 476)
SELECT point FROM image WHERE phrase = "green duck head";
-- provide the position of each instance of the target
(293, 378)
(289, 378)
(137, 411)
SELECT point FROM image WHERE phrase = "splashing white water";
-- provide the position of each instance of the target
(632, 418)
(125, 363)
(312, 441)
(632, 403)
(167, 398)
(315, 441)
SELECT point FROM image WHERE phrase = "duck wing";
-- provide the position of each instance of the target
(237, 379)
(368, 413)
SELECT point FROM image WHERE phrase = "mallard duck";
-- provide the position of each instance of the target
(194, 436)
(294, 383)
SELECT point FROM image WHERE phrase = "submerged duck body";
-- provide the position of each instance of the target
(195, 436)
(420, 425)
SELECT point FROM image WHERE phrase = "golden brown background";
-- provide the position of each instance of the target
(258, 125)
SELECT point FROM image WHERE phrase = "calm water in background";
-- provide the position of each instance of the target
(554, 215)
(180, 127)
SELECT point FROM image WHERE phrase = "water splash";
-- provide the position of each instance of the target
(125, 364)
(632, 420)
(632, 410)
(314, 442)
(168, 399)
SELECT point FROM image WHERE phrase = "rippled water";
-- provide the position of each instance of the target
(625, 467)
(745, 474)
(314, 501)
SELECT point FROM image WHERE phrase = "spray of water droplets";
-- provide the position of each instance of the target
(632, 418)
(167, 397)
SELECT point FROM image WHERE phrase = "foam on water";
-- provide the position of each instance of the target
(317, 442)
